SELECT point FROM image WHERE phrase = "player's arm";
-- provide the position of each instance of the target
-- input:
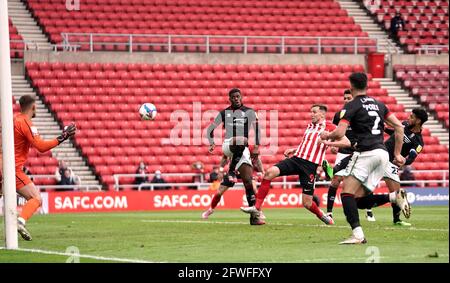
(255, 126)
(210, 131)
(393, 122)
(338, 133)
(413, 153)
(223, 162)
(45, 145)
(389, 131)
(343, 142)
(35, 139)
(288, 152)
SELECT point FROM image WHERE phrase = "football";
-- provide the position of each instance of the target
(147, 111)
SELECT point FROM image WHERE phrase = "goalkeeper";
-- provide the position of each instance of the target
(26, 136)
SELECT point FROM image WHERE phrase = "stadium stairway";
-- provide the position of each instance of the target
(27, 26)
(368, 25)
(403, 97)
(49, 128)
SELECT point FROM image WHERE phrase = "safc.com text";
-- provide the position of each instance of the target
(194, 201)
(284, 199)
(87, 202)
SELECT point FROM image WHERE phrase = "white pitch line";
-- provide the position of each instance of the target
(287, 224)
(82, 256)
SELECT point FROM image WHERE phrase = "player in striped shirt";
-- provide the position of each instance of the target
(304, 162)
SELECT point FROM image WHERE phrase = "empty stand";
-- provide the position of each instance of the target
(109, 18)
(16, 44)
(426, 22)
(429, 84)
(103, 100)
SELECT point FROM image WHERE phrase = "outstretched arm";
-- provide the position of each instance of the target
(338, 133)
(210, 131)
(255, 125)
(45, 145)
(343, 142)
(392, 121)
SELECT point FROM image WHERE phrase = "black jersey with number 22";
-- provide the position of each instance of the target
(366, 116)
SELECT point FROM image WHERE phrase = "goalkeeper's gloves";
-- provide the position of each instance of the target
(68, 132)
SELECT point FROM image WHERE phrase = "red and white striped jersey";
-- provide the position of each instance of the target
(310, 149)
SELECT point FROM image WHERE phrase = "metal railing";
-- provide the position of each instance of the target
(432, 49)
(86, 188)
(207, 43)
(78, 186)
(118, 186)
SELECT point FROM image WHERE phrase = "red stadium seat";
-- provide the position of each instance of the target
(114, 139)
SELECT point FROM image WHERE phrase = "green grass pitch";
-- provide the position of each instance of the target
(290, 235)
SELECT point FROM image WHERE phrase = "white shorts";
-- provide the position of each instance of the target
(339, 157)
(391, 172)
(245, 155)
(368, 167)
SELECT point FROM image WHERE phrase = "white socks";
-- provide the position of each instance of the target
(393, 197)
(21, 220)
(358, 233)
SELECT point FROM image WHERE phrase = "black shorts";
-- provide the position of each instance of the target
(305, 170)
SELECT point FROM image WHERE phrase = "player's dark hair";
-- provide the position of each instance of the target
(358, 80)
(421, 114)
(321, 107)
(347, 91)
(233, 90)
(26, 102)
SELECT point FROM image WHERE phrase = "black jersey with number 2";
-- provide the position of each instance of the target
(366, 115)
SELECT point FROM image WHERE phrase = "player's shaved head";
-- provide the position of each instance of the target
(26, 102)
(358, 81)
(233, 91)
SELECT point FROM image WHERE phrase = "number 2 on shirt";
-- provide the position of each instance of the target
(375, 130)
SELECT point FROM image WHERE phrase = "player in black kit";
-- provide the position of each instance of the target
(342, 158)
(366, 117)
(412, 146)
(237, 120)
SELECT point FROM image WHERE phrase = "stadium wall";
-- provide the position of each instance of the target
(412, 59)
(194, 58)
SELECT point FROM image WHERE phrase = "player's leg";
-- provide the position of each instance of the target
(27, 190)
(397, 196)
(363, 174)
(370, 216)
(281, 168)
(307, 176)
(311, 205)
(263, 190)
(246, 172)
(352, 187)
(342, 161)
(400, 203)
(237, 147)
(255, 190)
(224, 186)
(331, 196)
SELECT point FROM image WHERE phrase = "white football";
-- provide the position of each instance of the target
(147, 111)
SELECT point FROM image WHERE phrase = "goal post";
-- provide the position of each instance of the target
(7, 133)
